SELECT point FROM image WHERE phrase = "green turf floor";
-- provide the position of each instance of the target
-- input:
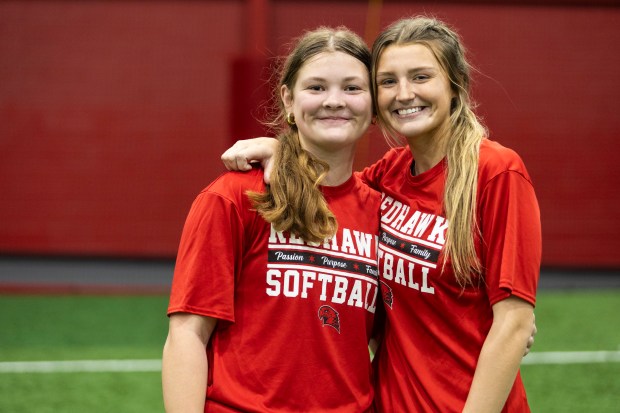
(127, 327)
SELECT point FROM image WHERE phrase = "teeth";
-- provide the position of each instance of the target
(409, 111)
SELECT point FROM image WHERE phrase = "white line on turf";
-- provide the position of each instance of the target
(94, 366)
(571, 357)
(75, 366)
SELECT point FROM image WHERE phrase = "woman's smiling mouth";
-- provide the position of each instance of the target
(334, 119)
(409, 111)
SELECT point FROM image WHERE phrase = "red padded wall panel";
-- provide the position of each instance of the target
(110, 121)
(113, 114)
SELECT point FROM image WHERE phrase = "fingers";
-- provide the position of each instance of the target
(235, 159)
(528, 348)
(530, 341)
(244, 152)
(268, 165)
(242, 163)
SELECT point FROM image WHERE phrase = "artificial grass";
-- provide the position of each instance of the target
(81, 392)
(128, 327)
(82, 327)
(572, 388)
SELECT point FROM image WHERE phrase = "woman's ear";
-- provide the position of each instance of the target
(454, 101)
(287, 97)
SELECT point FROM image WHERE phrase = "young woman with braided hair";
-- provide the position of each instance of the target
(460, 242)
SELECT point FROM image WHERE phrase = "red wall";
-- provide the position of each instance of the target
(113, 114)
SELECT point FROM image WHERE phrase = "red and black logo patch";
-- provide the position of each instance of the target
(386, 293)
(329, 317)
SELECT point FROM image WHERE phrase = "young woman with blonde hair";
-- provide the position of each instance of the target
(460, 242)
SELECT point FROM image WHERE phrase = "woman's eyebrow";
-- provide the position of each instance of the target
(412, 70)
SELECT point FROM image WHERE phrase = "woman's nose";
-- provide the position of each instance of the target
(405, 91)
(334, 99)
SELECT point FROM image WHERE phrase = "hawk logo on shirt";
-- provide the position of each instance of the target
(386, 293)
(329, 317)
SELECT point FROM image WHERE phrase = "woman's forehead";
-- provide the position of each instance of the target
(334, 63)
(410, 55)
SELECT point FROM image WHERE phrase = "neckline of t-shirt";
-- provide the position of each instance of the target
(343, 187)
(426, 176)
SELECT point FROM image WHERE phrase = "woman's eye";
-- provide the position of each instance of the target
(387, 82)
(420, 77)
(352, 88)
(317, 88)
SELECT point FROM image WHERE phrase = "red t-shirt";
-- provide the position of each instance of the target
(294, 318)
(435, 329)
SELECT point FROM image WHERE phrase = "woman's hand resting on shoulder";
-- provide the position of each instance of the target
(244, 153)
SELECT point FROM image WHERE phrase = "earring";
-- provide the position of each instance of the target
(290, 118)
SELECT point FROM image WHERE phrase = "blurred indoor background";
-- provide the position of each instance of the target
(113, 117)
(113, 114)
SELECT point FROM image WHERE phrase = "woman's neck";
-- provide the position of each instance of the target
(427, 152)
(340, 165)
(338, 174)
(340, 169)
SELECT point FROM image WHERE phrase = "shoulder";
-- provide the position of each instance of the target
(234, 185)
(401, 153)
(394, 155)
(496, 159)
(392, 162)
(502, 174)
(229, 191)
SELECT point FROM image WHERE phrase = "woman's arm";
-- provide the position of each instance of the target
(244, 152)
(501, 355)
(184, 364)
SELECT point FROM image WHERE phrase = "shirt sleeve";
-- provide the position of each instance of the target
(512, 247)
(209, 259)
(373, 174)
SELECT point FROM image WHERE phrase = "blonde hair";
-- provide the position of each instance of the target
(465, 132)
(293, 201)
